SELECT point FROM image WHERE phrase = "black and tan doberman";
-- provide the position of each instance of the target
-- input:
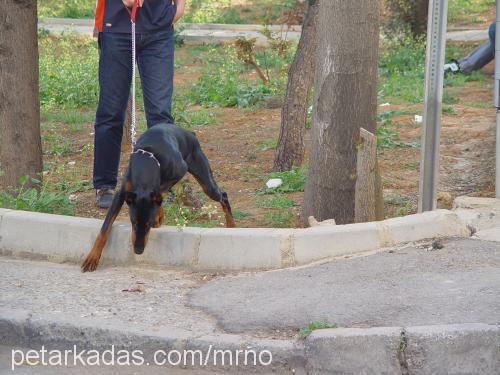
(161, 157)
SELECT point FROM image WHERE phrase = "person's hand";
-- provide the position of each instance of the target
(130, 3)
(180, 10)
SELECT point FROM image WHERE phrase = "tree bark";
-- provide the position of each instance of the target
(290, 148)
(345, 100)
(366, 194)
(20, 142)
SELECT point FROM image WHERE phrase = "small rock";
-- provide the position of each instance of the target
(314, 223)
(445, 200)
(437, 245)
(274, 183)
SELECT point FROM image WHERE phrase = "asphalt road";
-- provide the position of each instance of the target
(407, 287)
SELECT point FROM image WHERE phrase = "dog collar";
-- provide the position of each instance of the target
(150, 154)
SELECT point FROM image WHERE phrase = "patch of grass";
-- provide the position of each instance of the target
(267, 144)
(225, 81)
(56, 144)
(279, 219)
(468, 11)
(179, 215)
(66, 8)
(70, 187)
(203, 11)
(411, 165)
(278, 201)
(191, 118)
(239, 215)
(403, 205)
(69, 116)
(73, 118)
(68, 72)
(36, 198)
(449, 110)
(386, 137)
(450, 97)
(401, 71)
(293, 180)
(313, 326)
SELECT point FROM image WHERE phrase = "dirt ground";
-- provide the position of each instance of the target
(240, 165)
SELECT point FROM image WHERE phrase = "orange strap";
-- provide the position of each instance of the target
(133, 12)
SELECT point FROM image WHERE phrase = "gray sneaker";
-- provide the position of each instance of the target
(104, 197)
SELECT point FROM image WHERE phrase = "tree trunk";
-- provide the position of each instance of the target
(345, 100)
(290, 148)
(20, 143)
(366, 193)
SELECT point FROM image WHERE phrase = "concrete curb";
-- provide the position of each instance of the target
(428, 350)
(22, 329)
(448, 349)
(68, 239)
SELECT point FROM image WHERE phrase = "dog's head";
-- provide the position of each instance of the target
(143, 208)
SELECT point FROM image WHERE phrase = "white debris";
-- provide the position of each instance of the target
(274, 183)
(71, 163)
(385, 104)
(418, 119)
(73, 197)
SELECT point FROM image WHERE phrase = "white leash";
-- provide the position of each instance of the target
(132, 91)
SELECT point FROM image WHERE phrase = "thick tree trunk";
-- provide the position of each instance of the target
(20, 143)
(290, 148)
(345, 100)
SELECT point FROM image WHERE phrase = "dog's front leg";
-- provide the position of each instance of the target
(92, 260)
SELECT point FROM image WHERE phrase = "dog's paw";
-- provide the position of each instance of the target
(90, 264)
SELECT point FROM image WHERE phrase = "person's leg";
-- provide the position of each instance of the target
(491, 33)
(155, 59)
(481, 56)
(114, 80)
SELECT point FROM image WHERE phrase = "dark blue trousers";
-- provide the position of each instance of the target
(155, 61)
(480, 56)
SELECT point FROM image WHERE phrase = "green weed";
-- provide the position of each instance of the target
(313, 326)
(68, 72)
(66, 8)
(467, 11)
(279, 219)
(36, 198)
(278, 201)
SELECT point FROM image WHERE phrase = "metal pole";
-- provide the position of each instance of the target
(497, 100)
(434, 75)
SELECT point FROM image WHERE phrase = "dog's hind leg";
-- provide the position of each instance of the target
(199, 167)
(92, 260)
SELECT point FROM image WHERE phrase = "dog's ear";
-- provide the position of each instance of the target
(157, 198)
